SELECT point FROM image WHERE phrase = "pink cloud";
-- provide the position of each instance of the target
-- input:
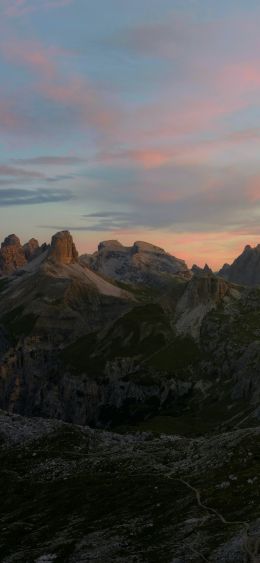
(32, 55)
(240, 77)
(196, 152)
(72, 91)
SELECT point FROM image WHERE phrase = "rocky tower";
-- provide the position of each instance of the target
(63, 249)
(12, 256)
(31, 248)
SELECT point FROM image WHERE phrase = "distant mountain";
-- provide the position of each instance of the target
(142, 263)
(77, 344)
(245, 269)
(55, 295)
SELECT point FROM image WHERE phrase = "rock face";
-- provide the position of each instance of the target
(200, 271)
(31, 248)
(245, 269)
(63, 249)
(12, 255)
(142, 263)
(204, 293)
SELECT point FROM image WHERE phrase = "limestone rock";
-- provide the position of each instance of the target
(204, 293)
(31, 248)
(142, 263)
(12, 256)
(63, 249)
(245, 269)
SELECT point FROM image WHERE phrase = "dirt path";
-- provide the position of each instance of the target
(251, 544)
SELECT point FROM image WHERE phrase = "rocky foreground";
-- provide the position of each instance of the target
(74, 494)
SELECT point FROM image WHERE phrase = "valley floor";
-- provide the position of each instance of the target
(73, 494)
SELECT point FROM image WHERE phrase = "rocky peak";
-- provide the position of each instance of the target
(12, 256)
(11, 240)
(140, 246)
(143, 263)
(110, 245)
(245, 269)
(198, 271)
(63, 249)
(207, 269)
(31, 248)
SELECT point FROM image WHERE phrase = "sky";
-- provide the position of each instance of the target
(132, 120)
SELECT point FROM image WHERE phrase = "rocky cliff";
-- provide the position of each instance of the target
(31, 248)
(63, 249)
(12, 255)
(245, 269)
(142, 263)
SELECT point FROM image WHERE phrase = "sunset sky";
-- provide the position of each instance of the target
(132, 120)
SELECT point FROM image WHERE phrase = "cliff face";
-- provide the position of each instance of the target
(12, 255)
(63, 249)
(142, 263)
(31, 249)
(245, 269)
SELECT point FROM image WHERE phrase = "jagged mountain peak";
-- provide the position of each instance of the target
(197, 270)
(11, 240)
(245, 269)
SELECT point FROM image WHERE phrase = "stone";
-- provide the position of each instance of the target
(12, 256)
(31, 248)
(63, 249)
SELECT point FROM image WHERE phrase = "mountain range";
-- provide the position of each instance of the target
(132, 382)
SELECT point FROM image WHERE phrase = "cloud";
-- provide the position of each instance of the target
(6, 170)
(16, 197)
(173, 199)
(185, 152)
(50, 160)
(18, 8)
(84, 105)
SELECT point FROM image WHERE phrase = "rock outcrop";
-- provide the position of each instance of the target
(12, 255)
(204, 293)
(245, 269)
(31, 249)
(197, 270)
(63, 249)
(142, 263)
